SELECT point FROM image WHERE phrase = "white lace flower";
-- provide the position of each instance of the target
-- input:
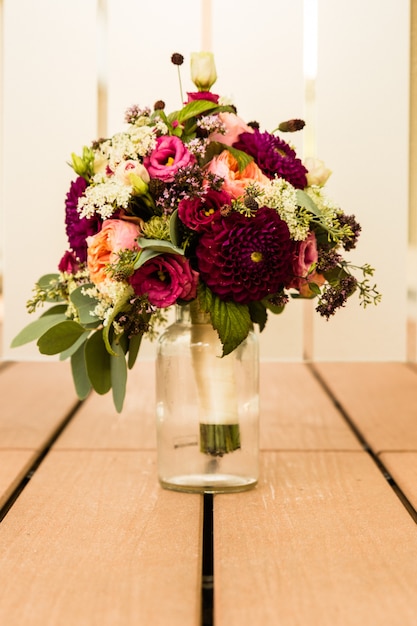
(104, 198)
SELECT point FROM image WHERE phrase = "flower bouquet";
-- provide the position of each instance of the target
(193, 206)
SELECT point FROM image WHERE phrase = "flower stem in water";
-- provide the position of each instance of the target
(219, 439)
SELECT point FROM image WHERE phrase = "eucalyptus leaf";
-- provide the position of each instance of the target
(304, 200)
(174, 231)
(60, 337)
(79, 373)
(36, 329)
(118, 371)
(45, 281)
(151, 248)
(97, 361)
(84, 304)
(159, 245)
(58, 309)
(65, 354)
(134, 345)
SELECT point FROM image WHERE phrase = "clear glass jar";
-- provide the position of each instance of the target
(207, 408)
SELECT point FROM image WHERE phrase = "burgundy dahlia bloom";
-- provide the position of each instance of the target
(274, 157)
(78, 229)
(198, 213)
(246, 258)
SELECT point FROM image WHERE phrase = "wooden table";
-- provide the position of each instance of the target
(328, 537)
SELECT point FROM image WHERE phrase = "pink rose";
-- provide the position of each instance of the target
(234, 126)
(305, 256)
(169, 155)
(235, 182)
(165, 279)
(197, 213)
(115, 235)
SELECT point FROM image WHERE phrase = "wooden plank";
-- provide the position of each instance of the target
(14, 465)
(322, 540)
(97, 425)
(380, 398)
(93, 540)
(296, 414)
(35, 399)
(403, 468)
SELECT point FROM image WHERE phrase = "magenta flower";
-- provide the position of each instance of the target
(246, 258)
(69, 263)
(78, 229)
(198, 213)
(202, 95)
(169, 155)
(165, 279)
(274, 157)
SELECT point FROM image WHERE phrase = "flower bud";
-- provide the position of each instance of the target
(203, 70)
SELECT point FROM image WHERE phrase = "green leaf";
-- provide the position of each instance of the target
(258, 314)
(45, 281)
(174, 232)
(304, 200)
(134, 345)
(79, 373)
(118, 371)
(151, 248)
(314, 288)
(192, 109)
(65, 354)
(84, 304)
(58, 309)
(98, 363)
(243, 159)
(231, 320)
(36, 329)
(60, 337)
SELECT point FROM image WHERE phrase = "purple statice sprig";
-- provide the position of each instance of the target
(189, 182)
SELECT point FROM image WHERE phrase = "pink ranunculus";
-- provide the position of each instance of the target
(235, 182)
(305, 255)
(169, 155)
(103, 247)
(198, 213)
(165, 279)
(234, 126)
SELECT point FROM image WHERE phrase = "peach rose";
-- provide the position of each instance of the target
(235, 182)
(234, 126)
(103, 247)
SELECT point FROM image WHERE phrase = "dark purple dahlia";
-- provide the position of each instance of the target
(245, 259)
(78, 229)
(274, 157)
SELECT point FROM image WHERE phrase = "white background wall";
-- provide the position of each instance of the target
(53, 53)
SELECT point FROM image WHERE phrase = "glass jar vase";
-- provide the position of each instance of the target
(207, 408)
